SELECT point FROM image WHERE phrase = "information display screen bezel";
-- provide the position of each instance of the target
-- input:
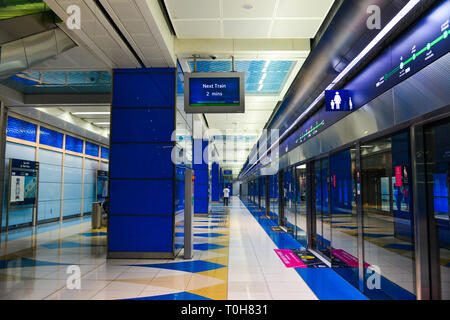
(188, 108)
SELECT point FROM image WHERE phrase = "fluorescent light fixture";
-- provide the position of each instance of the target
(102, 123)
(302, 166)
(375, 41)
(91, 113)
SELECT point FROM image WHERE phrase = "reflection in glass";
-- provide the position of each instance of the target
(344, 246)
(262, 192)
(289, 200)
(300, 198)
(438, 180)
(274, 198)
(388, 229)
(323, 218)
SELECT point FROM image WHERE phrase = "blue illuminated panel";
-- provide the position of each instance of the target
(91, 149)
(74, 144)
(21, 129)
(214, 92)
(51, 138)
(105, 153)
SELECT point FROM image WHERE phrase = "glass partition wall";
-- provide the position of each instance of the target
(387, 218)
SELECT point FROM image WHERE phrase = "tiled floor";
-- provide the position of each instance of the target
(234, 258)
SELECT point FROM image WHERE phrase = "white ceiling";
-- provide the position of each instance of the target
(206, 19)
(288, 23)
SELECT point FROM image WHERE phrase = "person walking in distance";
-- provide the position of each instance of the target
(226, 196)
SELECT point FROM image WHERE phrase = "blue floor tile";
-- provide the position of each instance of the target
(174, 296)
(188, 266)
(207, 246)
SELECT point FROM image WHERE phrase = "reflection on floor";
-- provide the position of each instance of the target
(234, 258)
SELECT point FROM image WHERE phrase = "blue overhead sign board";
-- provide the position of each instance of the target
(338, 100)
(424, 43)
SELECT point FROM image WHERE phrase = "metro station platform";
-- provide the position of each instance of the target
(234, 259)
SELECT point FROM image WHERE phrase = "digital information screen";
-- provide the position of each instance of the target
(218, 92)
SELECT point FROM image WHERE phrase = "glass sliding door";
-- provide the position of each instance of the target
(344, 240)
(388, 228)
(289, 203)
(300, 199)
(322, 214)
(437, 147)
(262, 193)
(274, 197)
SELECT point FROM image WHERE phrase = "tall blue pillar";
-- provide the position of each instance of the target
(142, 174)
(201, 173)
(215, 190)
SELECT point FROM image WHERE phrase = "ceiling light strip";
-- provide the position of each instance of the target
(375, 41)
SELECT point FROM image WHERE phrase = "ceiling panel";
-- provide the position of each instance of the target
(201, 29)
(193, 9)
(303, 8)
(237, 8)
(244, 29)
(246, 19)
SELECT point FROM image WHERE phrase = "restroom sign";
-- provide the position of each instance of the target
(339, 100)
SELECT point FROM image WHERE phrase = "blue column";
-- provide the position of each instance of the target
(142, 174)
(215, 190)
(201, 173)
(221, 187)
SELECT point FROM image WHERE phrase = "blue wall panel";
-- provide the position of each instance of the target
(144, 89)
(140, 233)
(21, 129)
(201, 182)
(91, 149)
(139, 128)
(215, 190)
(74, 144)
(105, 153)
(139, 165)
(142, 179)
(155, 197)
(51, 138)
